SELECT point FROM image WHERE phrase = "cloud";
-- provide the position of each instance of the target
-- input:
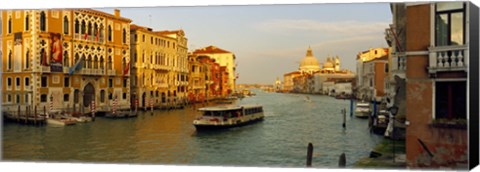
(344, 28)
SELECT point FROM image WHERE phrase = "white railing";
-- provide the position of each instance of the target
(163, 85)
(111, 72)
(45, 69)
(448, 58)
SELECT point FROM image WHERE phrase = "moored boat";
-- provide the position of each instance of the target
(222, 117)
(362, 110)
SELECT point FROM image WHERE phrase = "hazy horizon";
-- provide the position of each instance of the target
(270, 40)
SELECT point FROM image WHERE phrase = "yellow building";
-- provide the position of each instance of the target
(178, 54)
(66, 57)
(159, 69)
(224, 58)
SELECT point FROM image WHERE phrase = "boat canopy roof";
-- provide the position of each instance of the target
(228, 107)
(363, 104)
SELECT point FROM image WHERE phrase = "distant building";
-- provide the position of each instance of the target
(310, 76)
(278, 85)
(224, 58)
(288, 80)
(372, 68)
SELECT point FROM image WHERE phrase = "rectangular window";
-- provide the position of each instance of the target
(9, 82)
(450, 23)
(9, 98)
(66, 82)
(110, 82)
(125, 83)
(451, 100)
(124, 96)
(17, 98)
(66, 97)
(26, 99)
(44, 81)
(43, 98)
(27, 81)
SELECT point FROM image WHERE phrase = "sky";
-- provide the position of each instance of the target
(270, 40)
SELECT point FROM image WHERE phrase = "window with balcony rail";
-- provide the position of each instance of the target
(449, 23)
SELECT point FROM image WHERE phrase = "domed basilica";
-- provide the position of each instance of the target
(310, 64)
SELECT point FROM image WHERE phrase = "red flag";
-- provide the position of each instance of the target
(96, 35)
(126, 69)
(85, 36)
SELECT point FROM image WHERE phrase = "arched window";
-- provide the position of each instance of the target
(82, 29)
(9, 25)
(84, 61)
(95, 30)
(65, 59)
(95, 62)
(101, 32)
(89, 28)
(27, 22)
(89, 62)
(9, 67)
(123, 64)
(77, 26)
(76, 58)
(102, 96)
(43, 21)
(109, 65)
(65, 25)
(27, 59)
(101, 62)
(124, 36)
(109, 33)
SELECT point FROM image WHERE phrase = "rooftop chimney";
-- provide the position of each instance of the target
(117, 13)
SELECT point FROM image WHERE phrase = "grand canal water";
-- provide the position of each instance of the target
(169, 138)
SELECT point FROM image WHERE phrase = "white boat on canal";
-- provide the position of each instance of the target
(362, 110)
(222, 117)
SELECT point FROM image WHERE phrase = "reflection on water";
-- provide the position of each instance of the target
(168, 137)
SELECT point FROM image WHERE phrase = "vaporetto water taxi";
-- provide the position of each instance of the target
(221, 117)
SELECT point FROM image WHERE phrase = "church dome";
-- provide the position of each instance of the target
(309, 63)
(327, 65)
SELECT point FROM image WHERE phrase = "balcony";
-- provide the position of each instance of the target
(89, 38)
(92, 72)
(448, 58)
(162, 85)
(45, 69)
(399, 63)
(111, 72)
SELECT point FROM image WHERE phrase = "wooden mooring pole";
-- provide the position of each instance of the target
(35, 115)
(342, 162)
(18, 114)
(26, 115)
(344, 111)
(309, 154)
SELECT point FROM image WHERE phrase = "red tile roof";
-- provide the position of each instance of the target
(210, 50)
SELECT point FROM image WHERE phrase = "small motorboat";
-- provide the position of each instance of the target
(362, 110)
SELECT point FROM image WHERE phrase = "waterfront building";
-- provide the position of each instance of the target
(320, 77)
(66, 58)
(288, 80)
(196, 79)
(177, 51)
(159, 67)
(224, 81)
(437, 56)
(224, 58)
(372, 68)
